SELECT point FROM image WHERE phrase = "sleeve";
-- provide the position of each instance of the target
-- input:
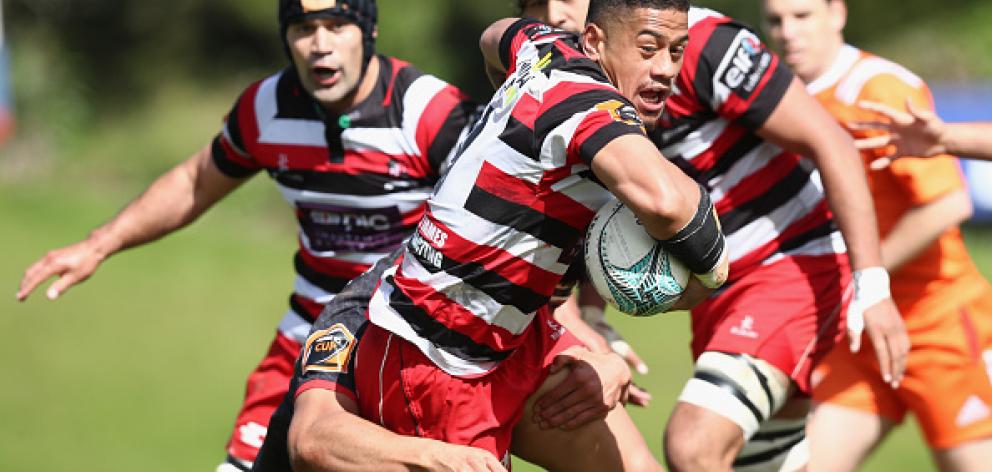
(923, 180)
(735, 74)
(523, 30)
(327, 358)
(444, 124)
(228, 150)
(585, 117)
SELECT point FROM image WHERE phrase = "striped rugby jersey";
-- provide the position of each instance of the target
(771, 202)
(503, 224)
(358, 181)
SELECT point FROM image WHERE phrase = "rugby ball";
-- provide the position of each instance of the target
(629, 268)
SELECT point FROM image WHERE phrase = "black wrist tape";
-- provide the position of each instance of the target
(700, 244)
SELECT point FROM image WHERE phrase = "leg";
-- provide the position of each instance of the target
(611, 444)
(265, 389)
(721, 407)
(780, 443)
(841, 438)
(973, 456)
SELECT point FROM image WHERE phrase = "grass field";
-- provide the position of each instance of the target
(142, 367)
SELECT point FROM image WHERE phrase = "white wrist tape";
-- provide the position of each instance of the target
(871, 286)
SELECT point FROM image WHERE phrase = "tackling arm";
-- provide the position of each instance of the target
(922, 225)
(174, 200)
(799, 124)
(327, 434)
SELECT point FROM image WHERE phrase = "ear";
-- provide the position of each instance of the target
(592, 41)
(375, 31)
(838, 14)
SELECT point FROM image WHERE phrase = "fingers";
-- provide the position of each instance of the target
(891, 113)
(873, 142)
(637, 396)
(492, 464)
(891, 343)
(624, 350)
(36, 274)
(61, 285)
(880, 163)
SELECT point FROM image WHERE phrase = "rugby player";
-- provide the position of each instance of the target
(793, 199)
(354, 141)
(740, 141)
(918, 132)
(943, 298)
(458, 335)
(584, 314)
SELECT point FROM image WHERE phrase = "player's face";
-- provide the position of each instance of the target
(569, 15)
(806, 32)
(641, 55)
(327, 53)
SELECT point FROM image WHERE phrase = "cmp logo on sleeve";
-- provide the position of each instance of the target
(328, 350)
(744, 65)
(621, 112)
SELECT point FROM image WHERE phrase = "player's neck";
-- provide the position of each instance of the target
(363, 91)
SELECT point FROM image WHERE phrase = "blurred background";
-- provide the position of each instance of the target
(143, 367)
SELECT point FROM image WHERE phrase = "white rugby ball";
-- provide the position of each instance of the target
(629, 268)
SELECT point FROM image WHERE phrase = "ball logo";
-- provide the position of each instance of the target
(328, 350)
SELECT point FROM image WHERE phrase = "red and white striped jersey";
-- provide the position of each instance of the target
(771, 202)
(358, 181)
(503, 224)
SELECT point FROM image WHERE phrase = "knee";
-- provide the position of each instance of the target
(686, 449)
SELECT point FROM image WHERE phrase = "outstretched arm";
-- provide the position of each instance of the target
(919, 132)
(327, 434)
(801, 125)
(174, 200)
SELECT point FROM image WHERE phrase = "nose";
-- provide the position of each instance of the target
(787, 29)
(323, 41)
(664, 67)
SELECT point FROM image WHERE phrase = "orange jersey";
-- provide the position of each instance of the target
(943, 275)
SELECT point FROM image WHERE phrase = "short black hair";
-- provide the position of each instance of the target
(601, 11)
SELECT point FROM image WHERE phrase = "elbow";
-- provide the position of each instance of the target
(306, 454)
(666, 210)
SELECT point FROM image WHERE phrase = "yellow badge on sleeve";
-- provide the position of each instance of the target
(328, 350)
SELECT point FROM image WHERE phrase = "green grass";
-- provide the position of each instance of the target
(142, 367)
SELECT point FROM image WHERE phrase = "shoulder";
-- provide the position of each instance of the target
(879, 79)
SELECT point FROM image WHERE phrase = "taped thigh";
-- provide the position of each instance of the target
(778, 446)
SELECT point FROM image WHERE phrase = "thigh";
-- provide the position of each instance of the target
(613, 443)
(841, 438)
(947, 385)
(792, 329)
(401, 389)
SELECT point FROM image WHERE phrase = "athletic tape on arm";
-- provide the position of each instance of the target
(700, 244)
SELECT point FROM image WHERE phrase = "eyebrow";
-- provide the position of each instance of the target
(681, 39)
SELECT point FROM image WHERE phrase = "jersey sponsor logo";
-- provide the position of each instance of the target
(328, 350)
(252, 434)
(972, 411)
(744, 65)
(745, 328)
(511, 89)
(621, 112)
(338, 228)
(426, 242)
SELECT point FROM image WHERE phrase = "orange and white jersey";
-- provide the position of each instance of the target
(943, 274)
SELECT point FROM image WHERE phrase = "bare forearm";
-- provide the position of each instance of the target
(342, 441)
(969, 140)
(801, 125)
(921, 226)
(174, 200)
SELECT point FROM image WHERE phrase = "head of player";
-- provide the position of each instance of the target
(808, 33)
(639, 44)
(569, 15)
(331, 44)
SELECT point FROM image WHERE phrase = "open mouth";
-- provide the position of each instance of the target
(652, 100)
(325, 76)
